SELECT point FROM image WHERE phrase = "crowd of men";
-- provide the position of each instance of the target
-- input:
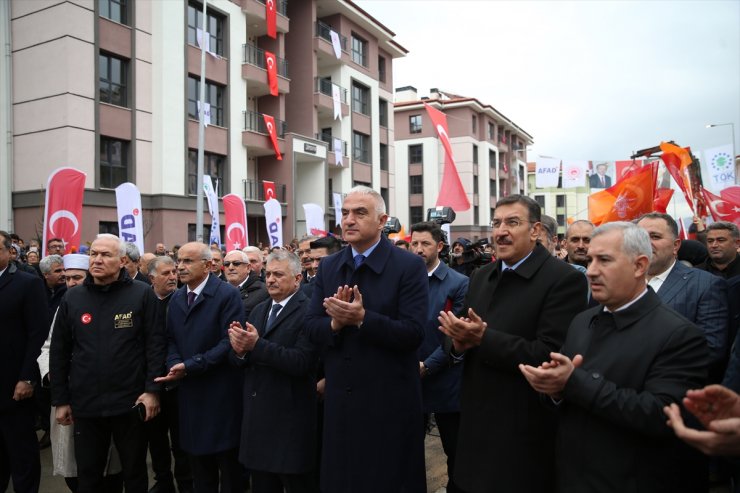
(604, 362)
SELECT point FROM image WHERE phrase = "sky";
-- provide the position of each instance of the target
(587, 79)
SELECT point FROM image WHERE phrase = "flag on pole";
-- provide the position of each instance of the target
(130, 218)
(722, 208)
(677, 161)
(63, 208)
(270, 124)
(269, 188)
(271, 18)
(451, 193)
(273, 220)
(661, 199)
(314, 219)
(627, 200)
(271, 62)
(235, 220)
(547, 172)
(212, 200)
(574, 173)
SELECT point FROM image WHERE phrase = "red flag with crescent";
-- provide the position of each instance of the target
(235, 215)
(677, 161)
(722, 208)
(270, 124)
(271, 63)
(451, 193)
(269, 189)
(627, 200)
(271, 18)
(63, 214)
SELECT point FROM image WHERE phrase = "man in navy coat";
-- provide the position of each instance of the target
(367, 312)
(209, 391)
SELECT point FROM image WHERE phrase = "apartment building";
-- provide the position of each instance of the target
(111, 87)
(563, 204)
(489, 149)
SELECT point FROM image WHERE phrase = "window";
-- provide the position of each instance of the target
(214, 96)
(540, 199)
(381, 68)
(115, 10)
(360, 99)
(206, 231)
(108, 227)
(475, 124)
(416, 184)
(491, 130)
(383, 112)
(476, 214)
(361, 147)
(475, 154)
(213, 165)
(560, 219)
(113, 162)
(492, 190)
(492, 159)
(416, 215)
(383, 157)
(112, 80)
(415, 124)
(359, 50)
(214, 26)
(475, 185)
(384, 194)
(416, 154)
(560, 201)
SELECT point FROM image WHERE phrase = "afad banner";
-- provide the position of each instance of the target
(63, 208)
(130, 218)
(273, 219)
(235, 222)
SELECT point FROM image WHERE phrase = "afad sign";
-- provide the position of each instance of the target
(273, 219)
(130, 223)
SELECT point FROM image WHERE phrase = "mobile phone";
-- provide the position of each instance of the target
(140, 410)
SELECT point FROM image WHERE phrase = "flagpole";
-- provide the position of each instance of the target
(201, 130)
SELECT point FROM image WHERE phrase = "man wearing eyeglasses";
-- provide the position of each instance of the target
(517, 309)
(240, 275)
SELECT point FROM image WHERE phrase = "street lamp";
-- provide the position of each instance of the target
(732, 127)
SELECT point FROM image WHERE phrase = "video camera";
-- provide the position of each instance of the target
(392, 225)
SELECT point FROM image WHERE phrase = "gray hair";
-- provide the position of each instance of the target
(726, 226)
(635, 240)
(294, 263)
(251, 249)
(47, 262)
(205, 252)
(154, 263)
(121, 243)
(132, 252)
(580, 221)
(241, 253)
(379, 201)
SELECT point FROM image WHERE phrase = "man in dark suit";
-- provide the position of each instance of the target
(278, 437)
(518, 309)
(621, 363)
(723, 242)
(367, 313)
(600, 179)
(25, 324)
(238, 273)
(209, 388)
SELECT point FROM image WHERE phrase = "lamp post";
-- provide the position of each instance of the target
(732, 127)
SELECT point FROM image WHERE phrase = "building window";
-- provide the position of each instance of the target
(361, 147)
(383, 112)
(214, 26)
(560, 219)
(476, 214)
(213, 165)
(560, 201)
(360, 99)
(359, 50)
(491, 130)
(475, 184)
(381, 68)
(112, 80)
(475, 124)
(416, 184)
(383, 157)
(492, 190)
(416, 154)
(385, 195)
(113, 162)
(415, 124)
(206, 231)
(416, 215)
(475, 154)
(214, 96)
(115, 10)
(108, 227)
(492, 159)
(540, 199)
(356, 183)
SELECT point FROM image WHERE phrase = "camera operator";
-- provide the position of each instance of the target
(467, 256)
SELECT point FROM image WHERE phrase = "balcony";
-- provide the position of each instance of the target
(323, 98)
(256, 138)
(331, 158)
(255, 13)
(253, 190)
(324, 48)
(254, 71)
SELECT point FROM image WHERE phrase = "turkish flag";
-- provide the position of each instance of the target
(722, 208)
(270, 124)
(271, 18)
(271, 63)
(675, 160)
(661, 199)
(235, 215)
(451, 193)
(63, 214)
(627, 200)
(269, 189)
(625, 167)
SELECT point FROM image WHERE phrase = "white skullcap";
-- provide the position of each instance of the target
(76, 261)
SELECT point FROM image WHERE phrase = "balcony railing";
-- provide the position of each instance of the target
(323, 30)
(253, 190)
(254, 122)
(282, 6)
(324, 86)
(256, 56)
(330, 140)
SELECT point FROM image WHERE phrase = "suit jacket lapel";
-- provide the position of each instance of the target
(284, 312)
(7, 275)
(673, 284)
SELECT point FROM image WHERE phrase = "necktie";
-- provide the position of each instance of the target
(191, 297)
(359, 259)
(273, 315)
(603, 181)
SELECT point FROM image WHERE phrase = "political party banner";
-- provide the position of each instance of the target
(547, 172)
(212, 200)
(718, 170)
(627, 200)
(274, 222)
(235, 220)
(63, 208)
(130, 218)
(314, 219)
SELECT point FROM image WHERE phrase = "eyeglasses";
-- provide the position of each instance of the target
(510, 223)
(235, 262)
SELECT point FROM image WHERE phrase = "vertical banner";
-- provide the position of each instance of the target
(271, 18)
(206, 112)
(338, 151)
(130, 218)
(270, 124)
(547, 172)
(63, 208)
(337, 208)
(314, 219)
(336, 44)
(212, 200)
(274, 222)
(451, 192)
(336, 96)
(574, 173)
(269, 188)
(718, 168)
(235, 220)
(271, 63)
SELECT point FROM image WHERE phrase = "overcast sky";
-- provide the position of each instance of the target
(587, 79)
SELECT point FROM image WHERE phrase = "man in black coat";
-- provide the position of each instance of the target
(518, 310)
(238, 273)
(621, 363)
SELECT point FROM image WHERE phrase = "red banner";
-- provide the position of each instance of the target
(271, 63)
(722, 208)
(627, 200)
(63, 214)
(661, 199)
(623, 168)
(269, 188)
(270, 124)
(271, 18)
(451, 193)
(235, 215)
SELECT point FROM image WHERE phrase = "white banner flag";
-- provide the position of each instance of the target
(212, 199)
(338, 151)
(337, 208)
(314, 219)
(336, 44)
(199, 40)
(574, 173)
(206, 113)
(718, 170)
(337, 97)
(547, 172)
(273, 218)
(130, 218)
